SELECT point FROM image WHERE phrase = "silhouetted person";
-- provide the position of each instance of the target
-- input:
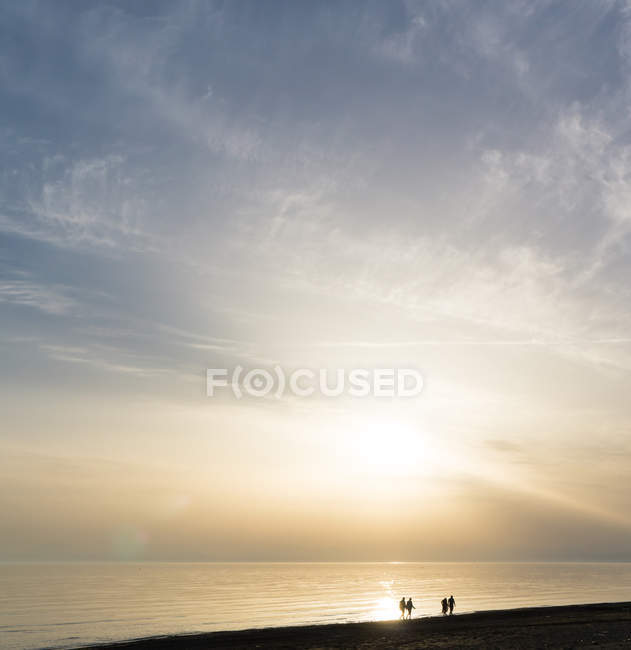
(410, 607)
(402, 607)
(443, 602)
(452, 604)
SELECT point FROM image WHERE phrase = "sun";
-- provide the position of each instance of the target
(391, 448)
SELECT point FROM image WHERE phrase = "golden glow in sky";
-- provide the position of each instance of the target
(434, 186)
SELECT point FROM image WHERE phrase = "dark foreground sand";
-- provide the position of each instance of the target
(577, 626)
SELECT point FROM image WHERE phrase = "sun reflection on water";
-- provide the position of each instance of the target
(385, 609)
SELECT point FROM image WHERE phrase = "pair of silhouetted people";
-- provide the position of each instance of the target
(403, 606)
(448, 605)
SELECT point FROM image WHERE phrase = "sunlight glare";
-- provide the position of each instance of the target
(385, 609)
(392, 448)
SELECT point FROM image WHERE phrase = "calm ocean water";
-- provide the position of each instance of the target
(66, 605)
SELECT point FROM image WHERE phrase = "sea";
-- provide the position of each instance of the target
(73, 604)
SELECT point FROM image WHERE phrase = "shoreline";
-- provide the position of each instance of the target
(606, 625)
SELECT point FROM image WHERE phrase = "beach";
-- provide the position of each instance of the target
(601, 625)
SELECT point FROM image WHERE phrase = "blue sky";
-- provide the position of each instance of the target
(442, 185)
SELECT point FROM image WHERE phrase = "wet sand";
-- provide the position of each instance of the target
(576, 626)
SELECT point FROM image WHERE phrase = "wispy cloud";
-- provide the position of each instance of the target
(104, 359)
(52, 299)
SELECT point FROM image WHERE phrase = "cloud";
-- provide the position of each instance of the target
(53, 299)
(79, 203)
(108, 359)
(403, 46)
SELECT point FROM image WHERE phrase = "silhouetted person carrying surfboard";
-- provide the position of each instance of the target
(402, 607)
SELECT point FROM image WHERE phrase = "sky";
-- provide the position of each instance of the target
(436, 185)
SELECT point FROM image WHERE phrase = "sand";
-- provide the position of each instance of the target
(576, 626)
